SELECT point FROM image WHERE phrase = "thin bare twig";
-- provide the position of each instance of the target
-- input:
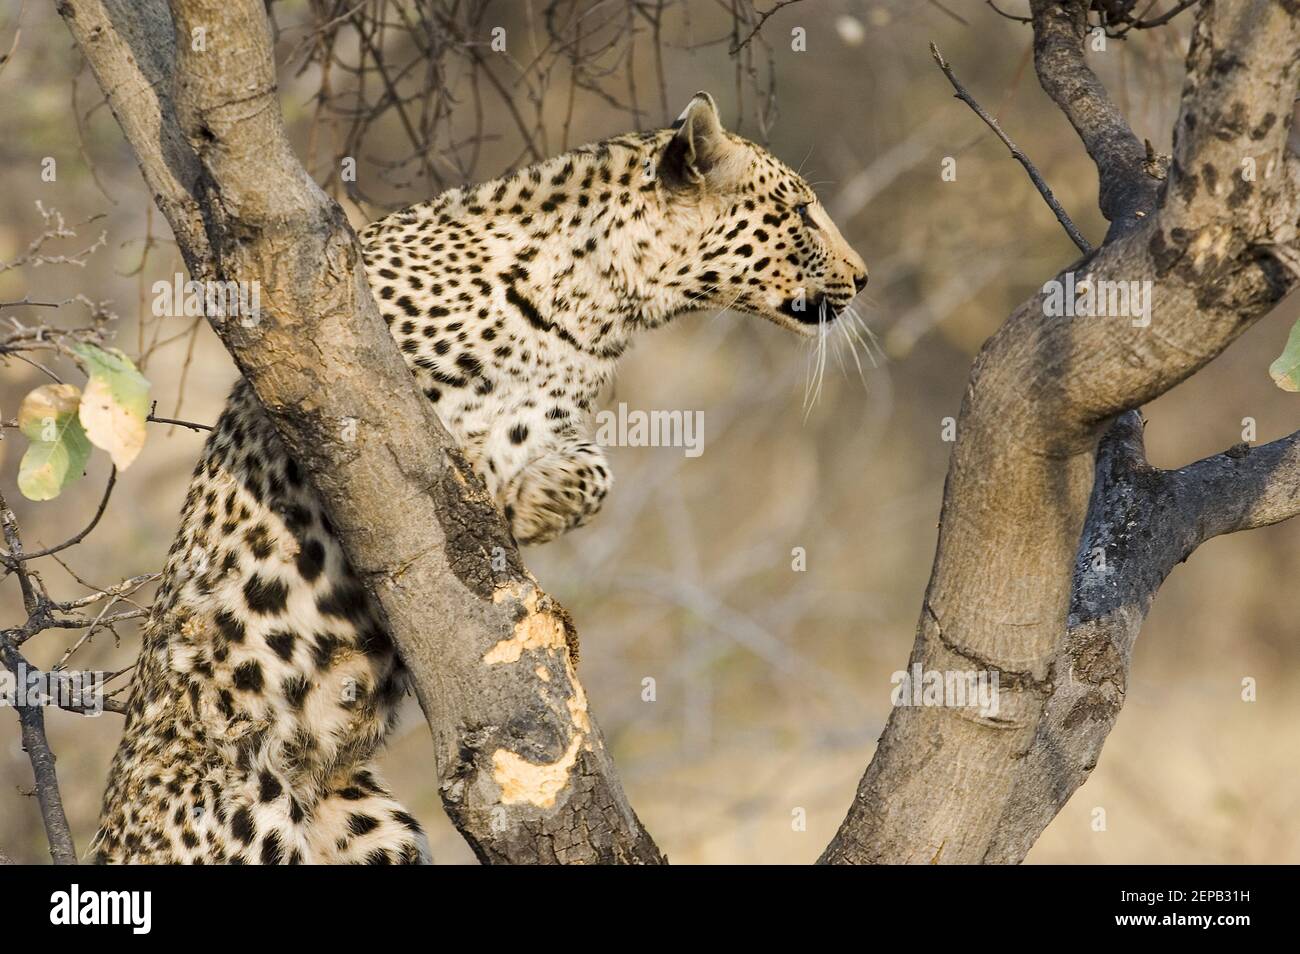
(1009, 16)
(35, 304)
(10, 558)
(1061, 216)
(762, 18)
(170, 420)
(952, 13)
(4, 61)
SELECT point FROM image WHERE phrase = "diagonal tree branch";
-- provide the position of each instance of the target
(521, 765)
(9, 559)
(1127, 192)
(1244, 488)
(129, 47)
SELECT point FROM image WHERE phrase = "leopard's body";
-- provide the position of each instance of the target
(266, 681)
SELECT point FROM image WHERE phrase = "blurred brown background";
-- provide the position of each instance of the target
(771, 685)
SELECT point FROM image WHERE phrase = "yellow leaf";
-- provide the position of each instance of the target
(115, 405)
(59, 449)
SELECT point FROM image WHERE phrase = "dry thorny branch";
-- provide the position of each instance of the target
(1116, 18)
(437, 72)
(104, 608)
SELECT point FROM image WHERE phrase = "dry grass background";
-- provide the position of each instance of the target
(771, 685)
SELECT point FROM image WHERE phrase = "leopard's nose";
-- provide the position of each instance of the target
(859, 282)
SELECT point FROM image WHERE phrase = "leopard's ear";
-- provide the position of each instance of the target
(698, 147)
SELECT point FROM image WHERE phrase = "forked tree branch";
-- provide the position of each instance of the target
(1142, 522)
(945, 784)
(521, 765)
(31, 718)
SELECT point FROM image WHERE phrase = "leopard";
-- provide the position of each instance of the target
(267, 682)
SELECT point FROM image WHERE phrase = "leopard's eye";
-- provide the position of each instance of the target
(802, 210)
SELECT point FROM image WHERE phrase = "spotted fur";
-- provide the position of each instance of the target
(266, 681)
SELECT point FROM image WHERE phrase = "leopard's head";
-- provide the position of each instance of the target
(763, 243)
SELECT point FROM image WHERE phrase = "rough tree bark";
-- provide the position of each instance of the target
(1142, 522)
(521, 764)
(947, 785)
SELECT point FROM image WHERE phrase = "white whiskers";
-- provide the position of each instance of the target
(817, 363)
(853, 335)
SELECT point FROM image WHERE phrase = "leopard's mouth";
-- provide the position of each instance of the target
(813, 311)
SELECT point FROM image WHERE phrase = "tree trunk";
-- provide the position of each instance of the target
(521, 764)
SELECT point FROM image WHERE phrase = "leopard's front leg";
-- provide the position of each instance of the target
(557, 491)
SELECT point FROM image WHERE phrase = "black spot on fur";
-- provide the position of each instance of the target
(360, 824)
(241, 826)
(327, 644)
(311, 560)
(269, 787)
(265, 595)
(295, 690)
(230, 627)
(281, 642)
(248, 676)
(407, 819)
(272, 853)
(346, 601)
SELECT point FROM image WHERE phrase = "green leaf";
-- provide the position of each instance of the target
(1286, 369)
(59, 450)
(116, 403)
